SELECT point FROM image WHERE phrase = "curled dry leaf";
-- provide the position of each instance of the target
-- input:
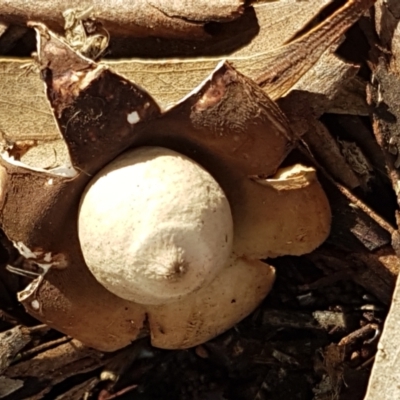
(139, 18)
(228, 133)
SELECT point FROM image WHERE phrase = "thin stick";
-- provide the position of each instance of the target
(350, 196)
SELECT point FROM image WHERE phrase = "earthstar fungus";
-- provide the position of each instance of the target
(190, 263)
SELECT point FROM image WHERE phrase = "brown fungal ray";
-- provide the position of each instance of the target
(39, 215)
(228, 120)
(97, 111)
(287, 214)
(213, 309)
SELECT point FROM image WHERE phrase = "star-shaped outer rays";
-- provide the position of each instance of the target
(227, 124)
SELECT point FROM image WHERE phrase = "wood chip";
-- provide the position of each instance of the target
(11, 343)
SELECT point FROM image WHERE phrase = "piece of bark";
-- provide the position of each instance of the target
(318, 91)
(314, 94)
(11, 343)
(325, 81)
(50, 364)
(42, 348)
(383, 383)
(79, 391)
(364, 138)
(357, 216)
(9, 386)
(184, 19)
(289, 64)
(351, 98)
(387, 16)
(327, 152)
(53, 366)
(384, 94)
(358, 334)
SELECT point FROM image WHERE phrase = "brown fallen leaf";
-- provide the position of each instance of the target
(183, 19)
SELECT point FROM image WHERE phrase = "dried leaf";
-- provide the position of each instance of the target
(26, 116)
(139, 18)
(265, 26)
(278, 22)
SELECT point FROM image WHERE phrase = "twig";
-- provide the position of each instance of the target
(360, 334)
(104, 395)
(43, 347)
(350, 196)
(358, 203)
